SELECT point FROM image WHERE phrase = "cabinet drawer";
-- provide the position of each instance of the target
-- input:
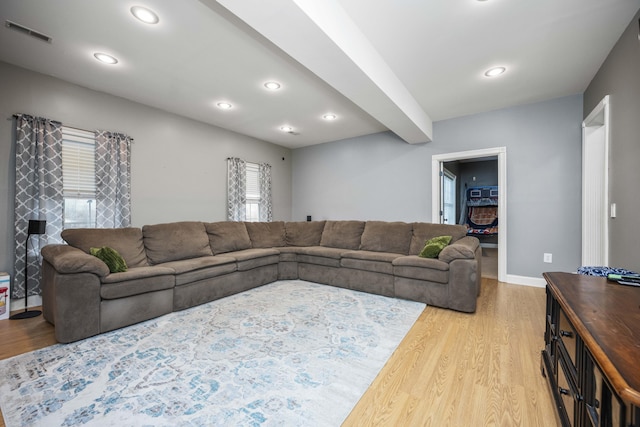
(594, 396)
(604, 408)
(567, 392)
(567, 335)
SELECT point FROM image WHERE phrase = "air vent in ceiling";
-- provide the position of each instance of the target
(28, 31)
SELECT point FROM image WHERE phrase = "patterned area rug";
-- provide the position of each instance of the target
(288, 353)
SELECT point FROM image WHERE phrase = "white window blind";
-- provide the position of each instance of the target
(78, 163)
(253, 186)
(79, 178)
(253, 192)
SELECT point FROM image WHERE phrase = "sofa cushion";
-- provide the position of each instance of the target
(342, 234)
(192, 264)
(378, 262)
(227, 236)
(304, 233)
(415, 267)
(195, 269)
(266, 234)
(423, 231)
(288, 253)
(256, 257)
(175, 241)
(381, 236)
(136, 281)
(127, 241)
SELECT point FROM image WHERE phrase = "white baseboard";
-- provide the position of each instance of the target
(537, 282)
(18, 304)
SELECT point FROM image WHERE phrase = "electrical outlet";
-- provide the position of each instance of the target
(548, 258)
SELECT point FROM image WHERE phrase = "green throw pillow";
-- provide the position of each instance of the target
(434, 246)
(111, 257)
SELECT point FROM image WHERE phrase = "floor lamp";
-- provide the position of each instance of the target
(35, 227)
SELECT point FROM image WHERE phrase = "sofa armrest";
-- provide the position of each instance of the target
(464, 248)
(68, 260)
(465, 279)
(71, 302)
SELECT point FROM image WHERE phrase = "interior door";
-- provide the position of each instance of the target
(448, 197)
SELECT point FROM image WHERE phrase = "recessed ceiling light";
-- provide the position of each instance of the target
(272, 85)
(330, 116)
(106, 59)
(224, 105)
(286, 128)
(495, 71)
(145, 15)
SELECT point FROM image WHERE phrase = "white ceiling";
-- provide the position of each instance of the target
(379, 65)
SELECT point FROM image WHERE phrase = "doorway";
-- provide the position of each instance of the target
(438, 200)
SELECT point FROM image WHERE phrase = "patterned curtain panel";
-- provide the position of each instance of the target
(265, 193)
(236, 189)
(113, 180)
(38, 195)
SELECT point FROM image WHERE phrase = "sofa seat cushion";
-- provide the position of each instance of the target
(136, 281)
(175, 241)
(372, 256)
(415, 267)
(342, 234)
(378, 262)
(288, 254)
(382, 236)
(127, 241)
(303, 233)
(227, 236)
(194, 269)
(320, 255)
(321, 251)
(266, 234)
(256, 257)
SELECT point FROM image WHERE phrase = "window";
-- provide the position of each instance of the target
(253, 192)
(78, 178)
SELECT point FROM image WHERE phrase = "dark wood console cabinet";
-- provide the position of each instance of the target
(591, 356)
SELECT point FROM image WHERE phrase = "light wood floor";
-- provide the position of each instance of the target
(452, 369)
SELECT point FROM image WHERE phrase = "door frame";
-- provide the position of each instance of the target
(595, 185)
(501, 152)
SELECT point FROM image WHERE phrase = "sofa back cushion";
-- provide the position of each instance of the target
(304, 233)
(266, 234)
(127, 241)
(342, 234)
(175, 241)
(227, 236)
(423, 231)
(382, 236)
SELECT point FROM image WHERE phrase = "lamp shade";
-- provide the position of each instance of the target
(37, 226)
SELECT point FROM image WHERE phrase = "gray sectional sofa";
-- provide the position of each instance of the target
(179, 265)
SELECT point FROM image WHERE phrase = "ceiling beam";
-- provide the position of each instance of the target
(322, 37)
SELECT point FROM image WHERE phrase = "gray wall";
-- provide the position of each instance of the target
(380, 177)
(178, 165)
(619, 77)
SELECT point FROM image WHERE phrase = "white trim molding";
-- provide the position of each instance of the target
(537, 282)
(501, 152)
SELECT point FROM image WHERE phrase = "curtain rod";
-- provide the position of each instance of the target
(71, 127)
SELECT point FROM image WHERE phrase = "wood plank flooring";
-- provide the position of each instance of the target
(452, 369)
